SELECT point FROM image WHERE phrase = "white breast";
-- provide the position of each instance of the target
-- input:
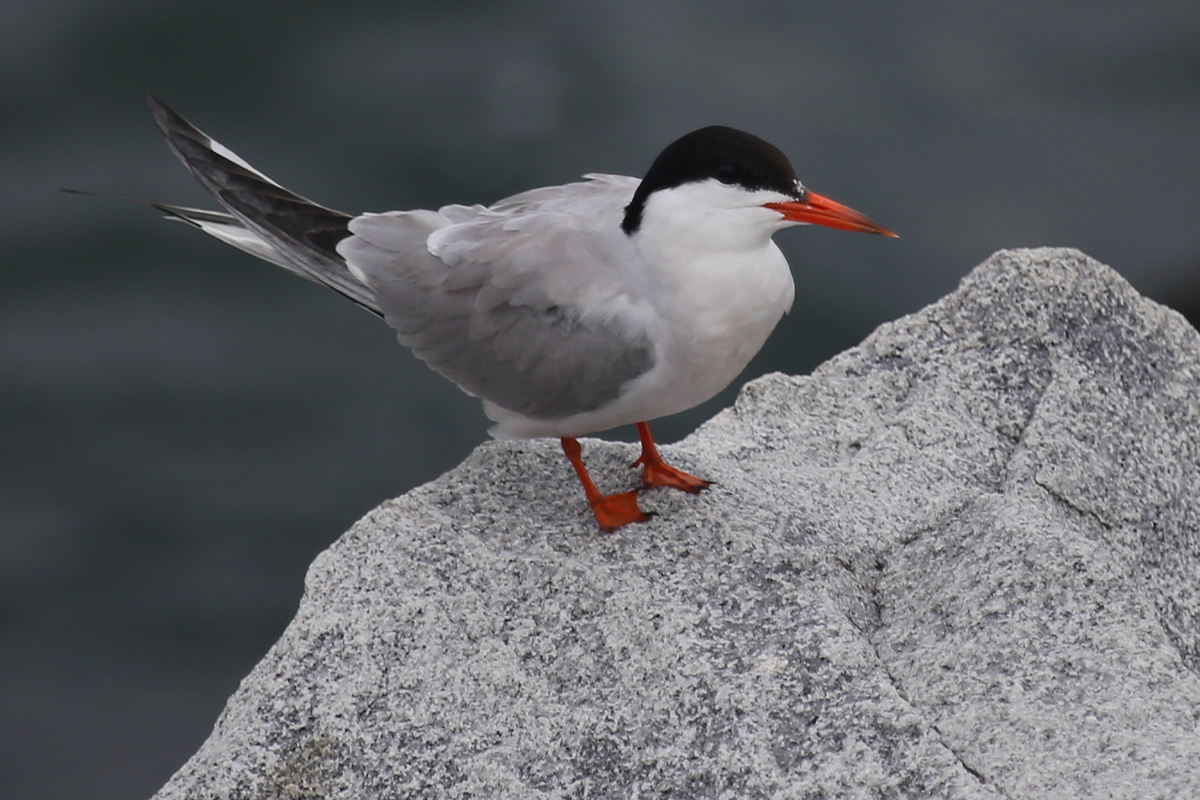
(717, 286)
(719, 282)
(717, 319)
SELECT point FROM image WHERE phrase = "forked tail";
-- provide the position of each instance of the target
(267, 220)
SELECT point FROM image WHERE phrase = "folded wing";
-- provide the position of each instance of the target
(491, 316)
(512, 302)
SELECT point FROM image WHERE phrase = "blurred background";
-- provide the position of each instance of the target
(183, 428)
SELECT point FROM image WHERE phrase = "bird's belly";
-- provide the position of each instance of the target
(720, 324)
(707, 332)
(703, 365)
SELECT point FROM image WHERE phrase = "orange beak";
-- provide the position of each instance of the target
(818, 210)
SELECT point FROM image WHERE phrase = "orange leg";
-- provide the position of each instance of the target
(612, 510)
(657, 472)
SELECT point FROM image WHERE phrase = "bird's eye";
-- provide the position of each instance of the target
(727, 173)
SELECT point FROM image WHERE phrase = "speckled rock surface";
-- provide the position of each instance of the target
(961, 560)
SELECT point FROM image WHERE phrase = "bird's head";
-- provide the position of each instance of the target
(711, 171)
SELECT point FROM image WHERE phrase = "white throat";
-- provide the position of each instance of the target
(718, 278)
(711, 216)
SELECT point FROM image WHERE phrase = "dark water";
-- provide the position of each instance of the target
(182, 428)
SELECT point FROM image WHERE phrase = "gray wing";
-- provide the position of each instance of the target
(503, 330)
(494, 305)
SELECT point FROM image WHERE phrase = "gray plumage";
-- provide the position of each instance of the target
(496, 333)
(491, 297)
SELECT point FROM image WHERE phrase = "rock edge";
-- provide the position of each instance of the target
(960, 560)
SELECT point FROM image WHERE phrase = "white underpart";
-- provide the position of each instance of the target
(718, 286)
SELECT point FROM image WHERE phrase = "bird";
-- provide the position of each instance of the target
(566, 309)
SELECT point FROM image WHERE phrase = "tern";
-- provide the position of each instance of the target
(566, 309)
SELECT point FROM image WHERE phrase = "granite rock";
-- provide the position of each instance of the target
(961, 560)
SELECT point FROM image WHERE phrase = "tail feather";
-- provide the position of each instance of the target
(291, 227)
(218, 224)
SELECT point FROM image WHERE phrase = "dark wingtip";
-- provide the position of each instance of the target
(172, 212)
(105, 196)
(158, 109)
(169, 120)
(156, 106)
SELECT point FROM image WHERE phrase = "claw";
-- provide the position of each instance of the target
(660, 473)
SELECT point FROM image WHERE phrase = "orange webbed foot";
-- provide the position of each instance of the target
(614, 510)
(611, 510)
(657, 473)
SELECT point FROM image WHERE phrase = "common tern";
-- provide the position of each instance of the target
(566, 309)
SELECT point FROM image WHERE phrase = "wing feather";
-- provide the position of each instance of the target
(496, 304)
(301, 231)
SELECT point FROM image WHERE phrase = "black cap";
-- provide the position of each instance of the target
(725, 154)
